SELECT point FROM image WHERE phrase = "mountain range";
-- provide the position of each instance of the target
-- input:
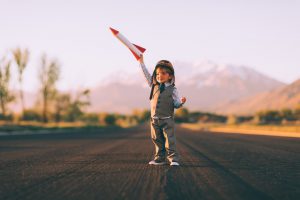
(280, 98)
(206, 85)
(209, 87)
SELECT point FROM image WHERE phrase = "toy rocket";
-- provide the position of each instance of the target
(136, 50)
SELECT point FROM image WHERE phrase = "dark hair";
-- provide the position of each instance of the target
(168, 70)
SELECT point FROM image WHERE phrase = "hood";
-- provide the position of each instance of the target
(164, 64)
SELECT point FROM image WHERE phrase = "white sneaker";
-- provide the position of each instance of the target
(174, 164)
(153, 162)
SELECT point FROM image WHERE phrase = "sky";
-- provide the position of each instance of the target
(261, 34)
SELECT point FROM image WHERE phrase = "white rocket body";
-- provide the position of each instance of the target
(136, 50)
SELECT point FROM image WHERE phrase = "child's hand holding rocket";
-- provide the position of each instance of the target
(141, 60)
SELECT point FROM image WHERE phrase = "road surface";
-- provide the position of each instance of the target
(99, 164)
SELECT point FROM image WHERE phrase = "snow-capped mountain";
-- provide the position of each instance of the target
(205, 84)
(208, 87)
(280, 98)
(207, 73)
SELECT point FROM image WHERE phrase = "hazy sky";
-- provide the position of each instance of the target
(263, 34)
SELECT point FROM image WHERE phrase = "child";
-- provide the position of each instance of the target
(164, 98)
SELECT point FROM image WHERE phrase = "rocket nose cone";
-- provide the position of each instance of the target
(115, 32)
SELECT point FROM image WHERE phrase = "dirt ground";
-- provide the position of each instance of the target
(99, 164)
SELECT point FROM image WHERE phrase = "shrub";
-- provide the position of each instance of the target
(110, 119)
(31, 115)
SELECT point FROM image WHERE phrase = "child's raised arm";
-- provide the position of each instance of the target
(145, 71)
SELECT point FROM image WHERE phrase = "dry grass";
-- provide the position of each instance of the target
(11, 127)
(273, 130)
(45, 125)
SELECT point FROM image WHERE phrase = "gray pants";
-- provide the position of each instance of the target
(163, 137)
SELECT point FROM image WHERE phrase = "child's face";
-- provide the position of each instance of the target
(162, 76)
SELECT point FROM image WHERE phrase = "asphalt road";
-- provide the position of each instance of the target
(99, 164)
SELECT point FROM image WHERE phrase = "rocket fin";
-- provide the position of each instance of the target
(140, 48)
(135, 55)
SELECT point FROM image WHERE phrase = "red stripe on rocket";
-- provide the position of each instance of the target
(136, 50)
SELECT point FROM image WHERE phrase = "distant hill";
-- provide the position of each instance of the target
(206, 85)
(284, 97)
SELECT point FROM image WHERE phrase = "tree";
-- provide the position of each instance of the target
(287, 114)
(69, 109)
(110, 119)
(145, 116)
(297, 112)
(5, 96)
(62, 103)
(268, 117)
(75, 109)
(232, 120)
(141, 115)
(91, 118)
(48, 76)
(21, 59)
(182, 115)
(31, 115)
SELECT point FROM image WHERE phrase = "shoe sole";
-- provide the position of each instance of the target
(174, 164)
(157, 163)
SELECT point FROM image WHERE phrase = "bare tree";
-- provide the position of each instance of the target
(71, 109)
(76, 108)
(62, 102)
(5, 95)
(48, 76)
(21, 59)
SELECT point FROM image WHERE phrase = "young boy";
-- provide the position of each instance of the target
(164, 98)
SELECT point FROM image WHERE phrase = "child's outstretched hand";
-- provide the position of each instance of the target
(141, 60)
(183, 99)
